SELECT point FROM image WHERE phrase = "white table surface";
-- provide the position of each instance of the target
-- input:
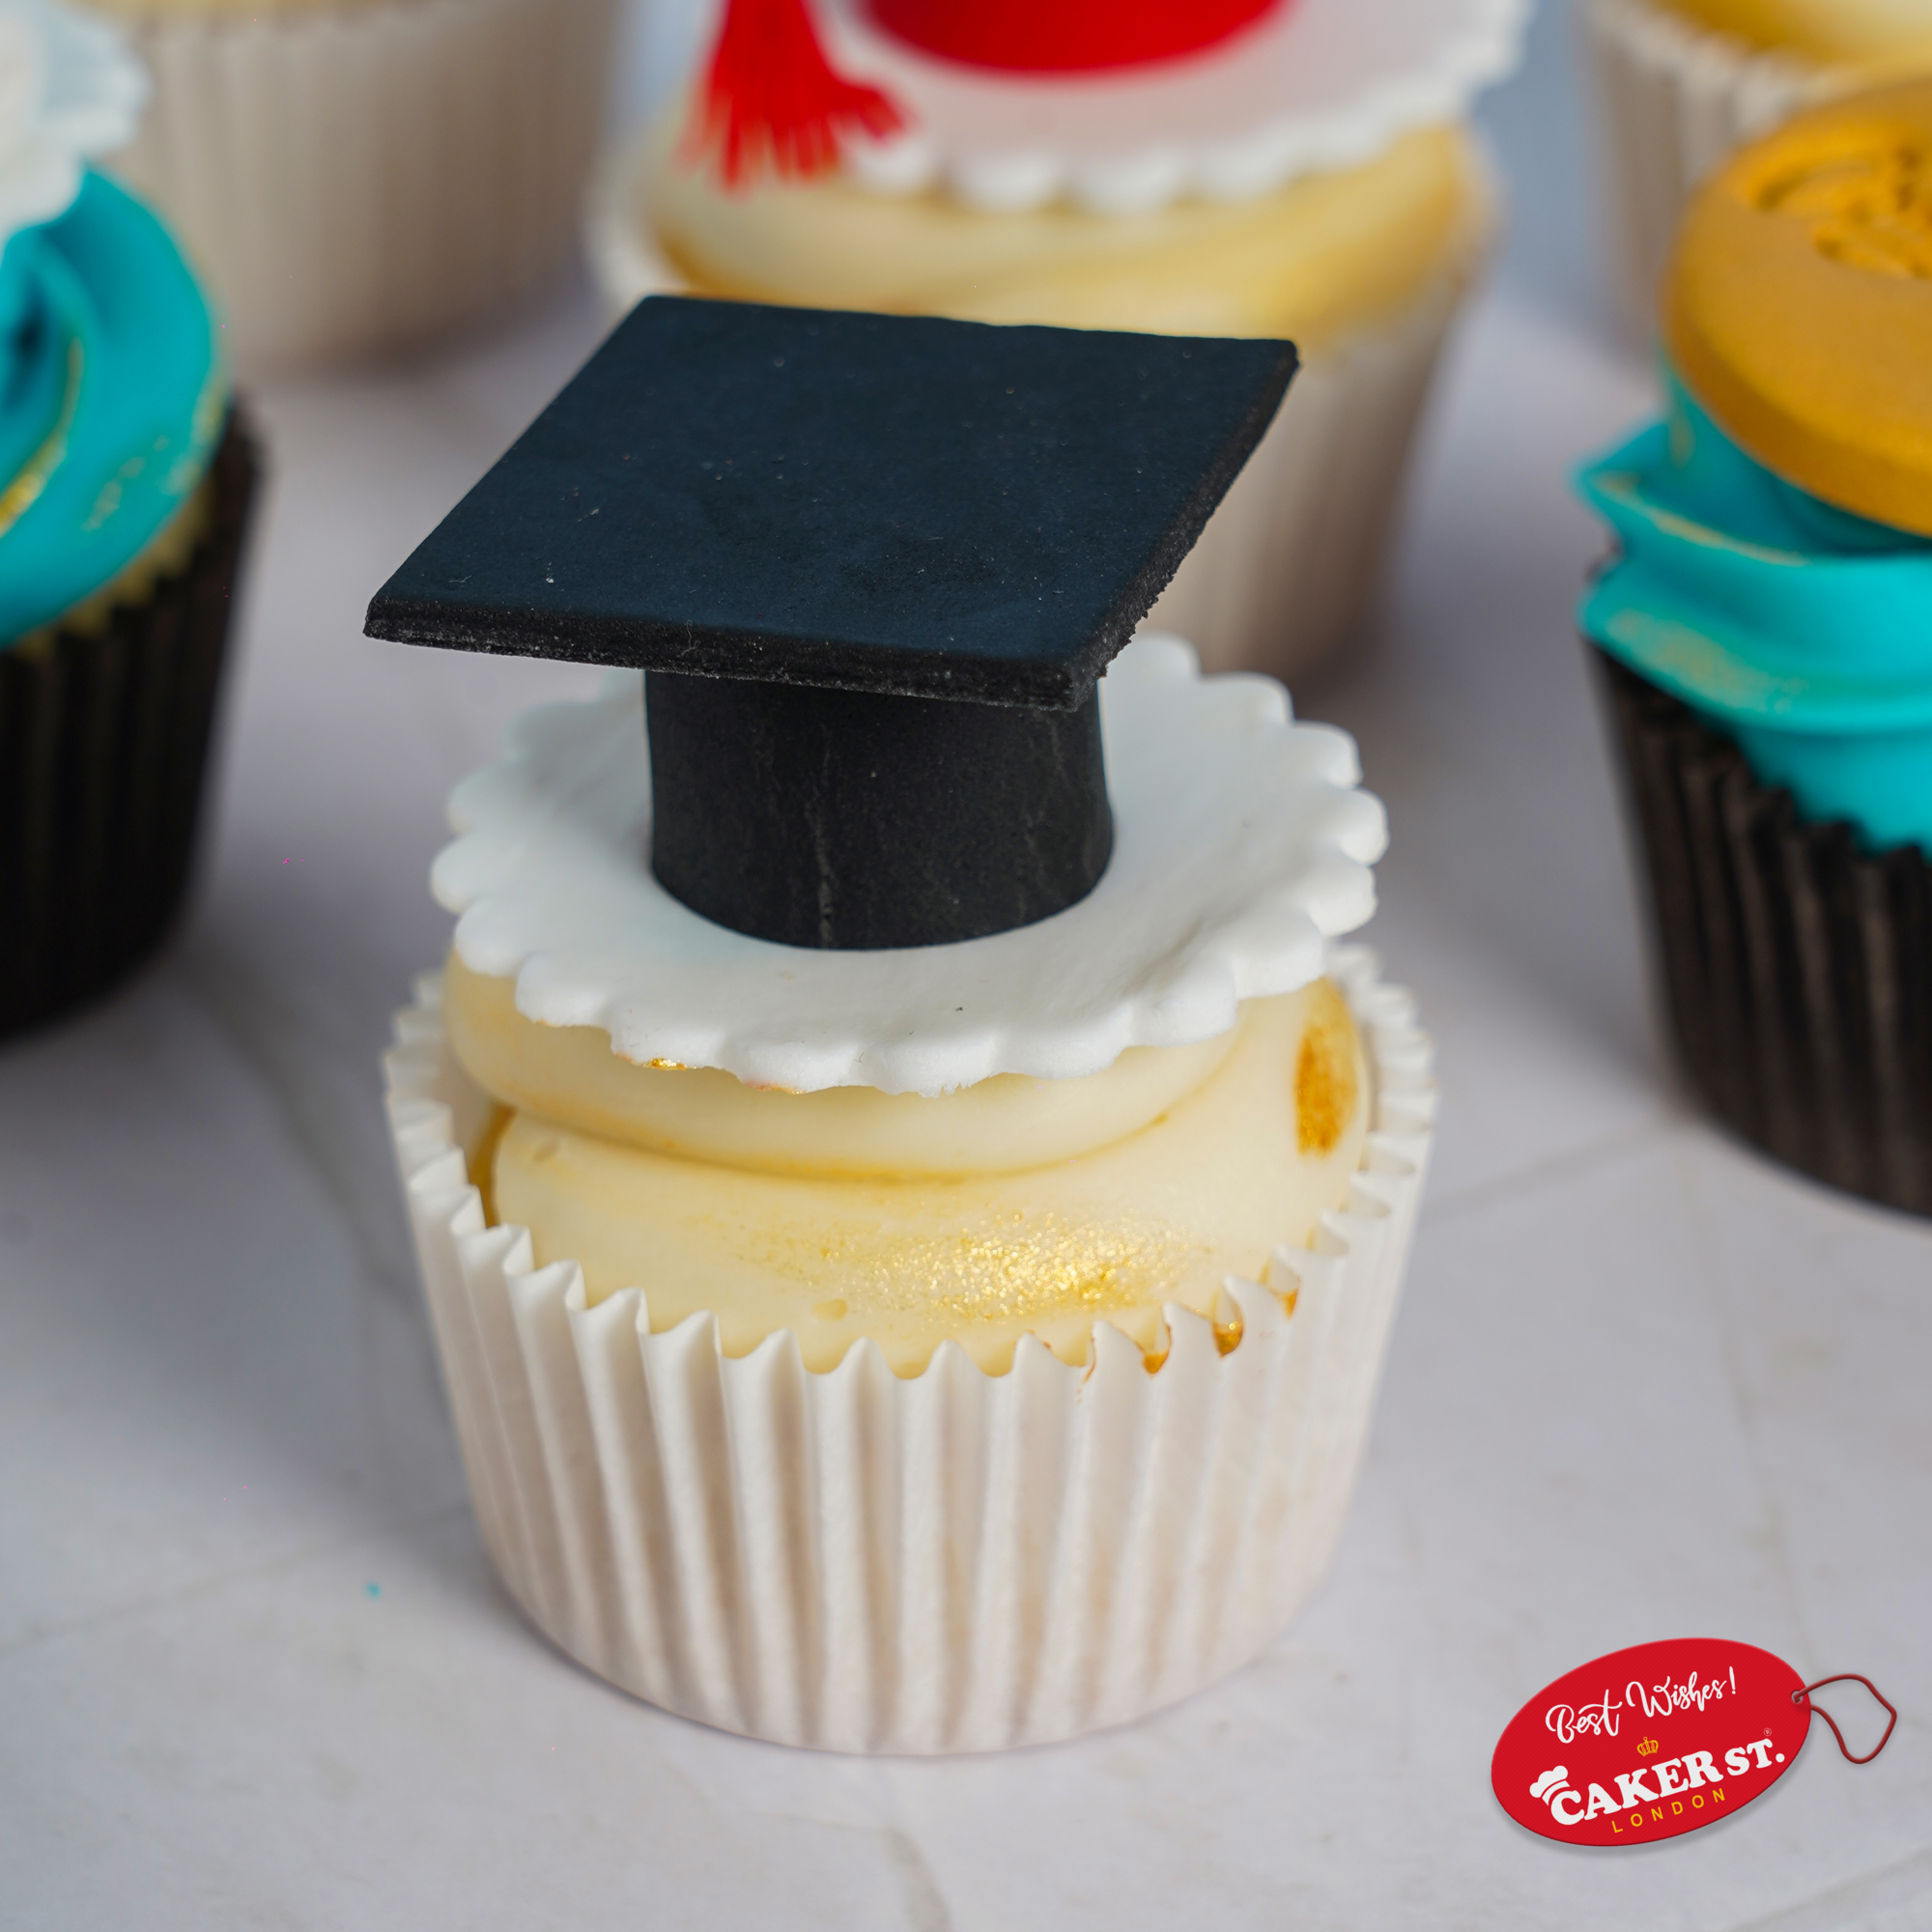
(254, 1670)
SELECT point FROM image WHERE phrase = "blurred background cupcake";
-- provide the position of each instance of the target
(1679, 83)
(1766, 631)
(1252, 168)
(124, 484)
(361, 176)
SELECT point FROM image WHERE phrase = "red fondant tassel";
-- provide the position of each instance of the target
(772, 99)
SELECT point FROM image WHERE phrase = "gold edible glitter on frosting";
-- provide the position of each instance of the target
(1238, 1165)
(1799, 304)
(1325, 1074)
(1026, 1267)
(25, 489)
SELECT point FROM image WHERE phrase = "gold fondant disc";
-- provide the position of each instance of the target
(1799, 304)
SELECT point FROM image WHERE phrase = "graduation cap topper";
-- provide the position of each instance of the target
(873, 567)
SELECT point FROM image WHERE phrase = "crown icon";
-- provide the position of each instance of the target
(1647, 1748)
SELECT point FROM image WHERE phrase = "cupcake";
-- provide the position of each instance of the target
(1257, 168)
(365, 176)
(911, 1194)
(1764, 627)
(126, 487)
(1680, 83)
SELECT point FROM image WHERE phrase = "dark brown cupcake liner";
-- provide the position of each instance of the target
(1796, 968)
(103, 742)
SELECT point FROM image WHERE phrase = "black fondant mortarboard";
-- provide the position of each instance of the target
(873, 567)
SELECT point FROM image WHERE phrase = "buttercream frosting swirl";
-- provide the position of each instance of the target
(1803, 631)
(111, 393)
(1826, 30)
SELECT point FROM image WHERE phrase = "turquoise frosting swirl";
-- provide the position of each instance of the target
(1801, 631)
(111, 397)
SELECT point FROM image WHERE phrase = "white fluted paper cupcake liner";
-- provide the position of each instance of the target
(1286, 568)
(949, 1562)
(366, 179)
(1673, 99)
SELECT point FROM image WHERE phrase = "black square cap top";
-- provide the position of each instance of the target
(801, 525)
(867, 503)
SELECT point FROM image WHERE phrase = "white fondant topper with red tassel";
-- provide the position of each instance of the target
(1119, 106)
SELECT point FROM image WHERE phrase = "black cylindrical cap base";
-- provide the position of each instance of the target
(854, 821)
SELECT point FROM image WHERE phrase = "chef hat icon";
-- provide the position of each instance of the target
(1544, 1786)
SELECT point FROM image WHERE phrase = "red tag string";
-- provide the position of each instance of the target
(1803, 1697)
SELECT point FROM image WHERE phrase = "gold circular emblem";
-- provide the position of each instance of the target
(1799, 304)
(1869, 209)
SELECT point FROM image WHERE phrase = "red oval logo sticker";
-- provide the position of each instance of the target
(1650, 1742)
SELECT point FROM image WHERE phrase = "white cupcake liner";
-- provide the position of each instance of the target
(956, 1561)
(365, 180)
(1673, 99)
(1288, 567)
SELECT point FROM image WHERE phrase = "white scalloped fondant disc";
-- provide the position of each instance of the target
(1327, 84)
(1241, 844)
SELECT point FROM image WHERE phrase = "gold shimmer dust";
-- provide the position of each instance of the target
(1024, 1269)
(24, 491)
(1324, 1075)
